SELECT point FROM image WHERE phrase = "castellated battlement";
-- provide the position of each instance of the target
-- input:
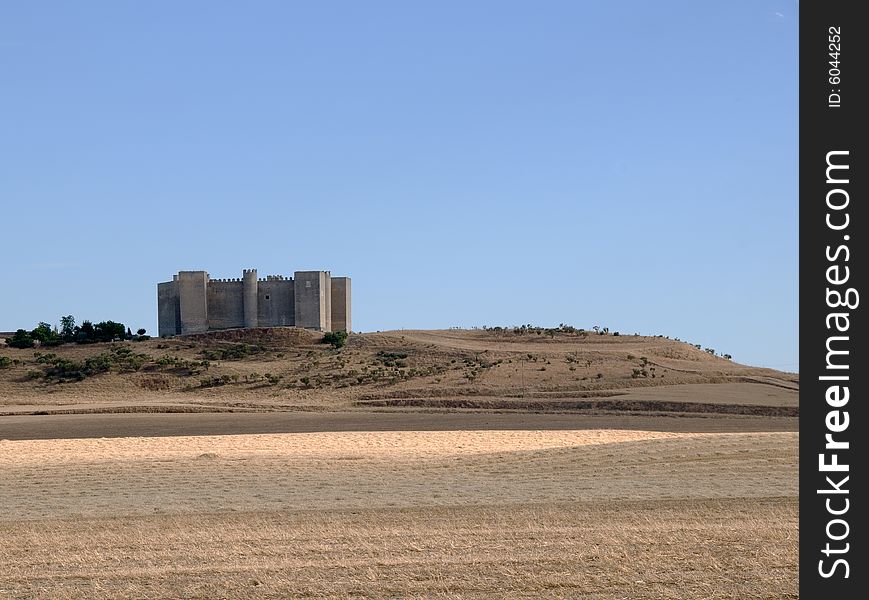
(193, 302)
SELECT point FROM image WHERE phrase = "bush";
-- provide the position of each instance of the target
(336, 338)
(232, 352)
(5, 362)
(396, 359)
(21, 339)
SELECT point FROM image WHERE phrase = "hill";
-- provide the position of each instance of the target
(289, 368)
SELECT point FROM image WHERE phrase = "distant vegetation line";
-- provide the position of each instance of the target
(528, 329)
(86, 333)
(106, 331)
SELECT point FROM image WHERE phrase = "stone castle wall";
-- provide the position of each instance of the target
(276, 303)
(225, 305)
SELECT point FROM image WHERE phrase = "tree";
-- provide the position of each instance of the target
(85, 333)
(45, 335)
(21, 339)
(41, 332)
(141, 331)
(106, 331)
(67, 328)
(129, 333)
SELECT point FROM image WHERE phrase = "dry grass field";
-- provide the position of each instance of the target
(591, 513)
(451, 464)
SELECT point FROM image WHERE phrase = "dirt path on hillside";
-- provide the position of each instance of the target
(24, 427)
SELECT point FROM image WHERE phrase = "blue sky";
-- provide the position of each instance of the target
(624, 164)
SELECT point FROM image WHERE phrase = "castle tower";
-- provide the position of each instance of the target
(193, 303)
(313, 300)
(341, 304)
(249, 296)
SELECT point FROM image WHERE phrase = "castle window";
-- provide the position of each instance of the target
(267, 296)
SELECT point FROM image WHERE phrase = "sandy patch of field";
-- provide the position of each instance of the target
(110, 477)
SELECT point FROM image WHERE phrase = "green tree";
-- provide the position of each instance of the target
(21, 339)
(85, 333)
(67, 328)
(44, 334)
(141, 331)
(106, 331)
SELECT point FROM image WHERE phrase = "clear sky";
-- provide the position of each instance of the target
(623, 164)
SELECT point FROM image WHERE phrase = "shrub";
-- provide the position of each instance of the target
(213, 382)
(336, 338)
(396, 359)
(5, 362)
(233, 352)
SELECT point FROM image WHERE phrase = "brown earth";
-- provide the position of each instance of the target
(289, 369)
(158, 424)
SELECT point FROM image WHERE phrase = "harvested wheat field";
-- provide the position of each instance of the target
(584, 513)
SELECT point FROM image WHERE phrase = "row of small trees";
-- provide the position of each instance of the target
(86, 333)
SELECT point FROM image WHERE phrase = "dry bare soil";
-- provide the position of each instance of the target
(291, 369)
(407, 464)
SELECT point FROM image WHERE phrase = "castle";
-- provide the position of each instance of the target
(194, 303)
